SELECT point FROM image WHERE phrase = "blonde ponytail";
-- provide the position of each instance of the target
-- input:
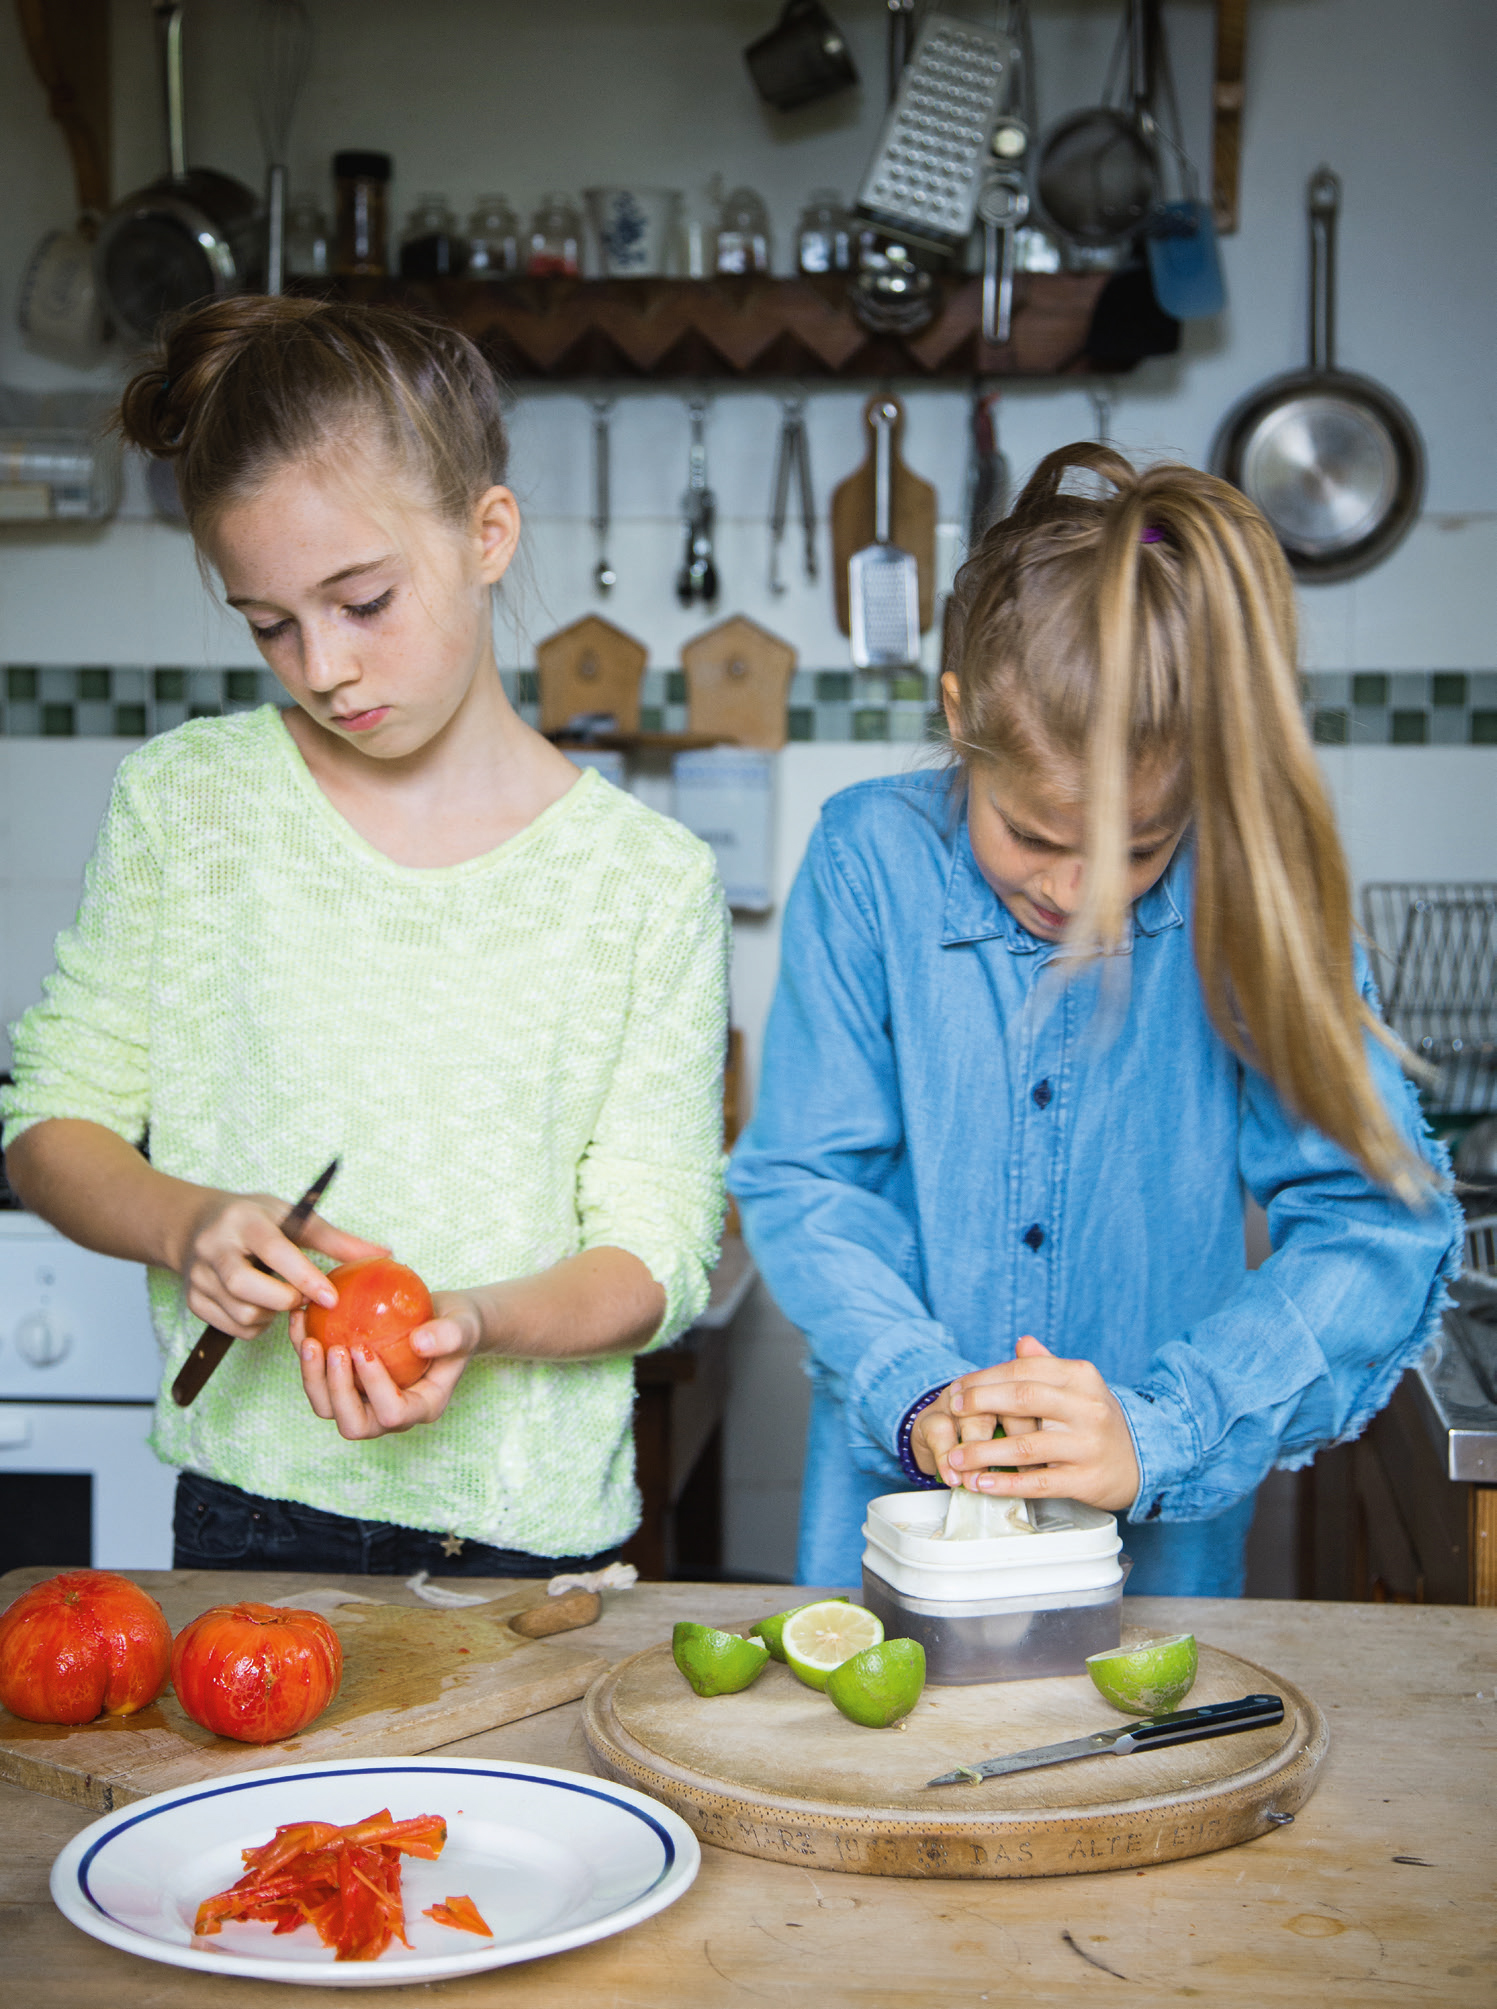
(1154, 625)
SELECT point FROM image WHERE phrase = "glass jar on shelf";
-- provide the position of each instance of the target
(824, 236)
(554, 244)
(308, 251)
(743, 240)
(361, 236)
(430, 245)
(493, 239)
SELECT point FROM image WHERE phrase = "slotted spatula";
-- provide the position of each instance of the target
(883, 581)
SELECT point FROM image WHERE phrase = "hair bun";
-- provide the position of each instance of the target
(193, 351)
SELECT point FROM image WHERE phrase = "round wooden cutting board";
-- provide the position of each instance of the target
(776, 1771)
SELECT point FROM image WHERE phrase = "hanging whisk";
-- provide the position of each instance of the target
(285, 47)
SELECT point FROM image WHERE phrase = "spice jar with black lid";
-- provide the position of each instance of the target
(362, 231)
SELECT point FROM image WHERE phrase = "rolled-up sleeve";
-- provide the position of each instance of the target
(83, 1051)
(651, 1180)
(1312, 1345)
(817, 1170)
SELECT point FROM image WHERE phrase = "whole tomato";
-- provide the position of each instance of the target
(256, 1672)
(380, 1304)
(80, 1645)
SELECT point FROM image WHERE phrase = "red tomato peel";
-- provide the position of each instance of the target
(460, 1912)
(344, 1882)
(380, 1304)
(256, 1672)
(80, 1645)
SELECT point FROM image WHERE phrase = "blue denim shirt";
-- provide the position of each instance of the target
(953, 1146)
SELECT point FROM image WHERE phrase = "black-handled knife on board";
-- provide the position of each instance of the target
(1153, 1733)
(214, 1344)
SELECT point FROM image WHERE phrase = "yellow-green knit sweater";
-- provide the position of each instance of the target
(515, 1058)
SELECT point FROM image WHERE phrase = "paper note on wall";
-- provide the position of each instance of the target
(725, 796)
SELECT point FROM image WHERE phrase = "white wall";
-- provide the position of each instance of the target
(470, 94)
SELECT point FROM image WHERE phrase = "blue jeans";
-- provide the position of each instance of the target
(217, 1527)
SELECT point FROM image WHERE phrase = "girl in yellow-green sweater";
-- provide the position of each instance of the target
(394, 925)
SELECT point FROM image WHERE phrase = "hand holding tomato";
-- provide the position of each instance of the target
(387, 1356)
(228, 1234)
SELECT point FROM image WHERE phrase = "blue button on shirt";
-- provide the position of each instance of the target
(953, 1146)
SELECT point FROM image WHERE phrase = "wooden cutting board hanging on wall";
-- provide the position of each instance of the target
(590, 666)
(912, 517)
(737, 681)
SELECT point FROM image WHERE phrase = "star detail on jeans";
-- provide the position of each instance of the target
(452, 1545)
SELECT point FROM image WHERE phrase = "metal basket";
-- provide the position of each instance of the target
(1481, 1250)
(1435, 950)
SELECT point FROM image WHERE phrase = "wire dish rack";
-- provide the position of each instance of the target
(1435, 955)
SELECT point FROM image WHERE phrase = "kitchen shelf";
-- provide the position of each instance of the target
(657, 330)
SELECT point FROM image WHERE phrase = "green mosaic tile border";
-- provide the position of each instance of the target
(1343, 708)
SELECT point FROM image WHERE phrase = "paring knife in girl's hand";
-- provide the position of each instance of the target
(1185, 1726)
(214, 1344)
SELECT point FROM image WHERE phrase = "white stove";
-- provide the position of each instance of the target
(79, 1368)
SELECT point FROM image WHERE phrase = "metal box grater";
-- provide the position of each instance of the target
(928, 166)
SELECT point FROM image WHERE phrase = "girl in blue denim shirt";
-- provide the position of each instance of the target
(1040, 1023)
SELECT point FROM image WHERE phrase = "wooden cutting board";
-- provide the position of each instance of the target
(737, 682)
(413, 1679)
(912, 517)
(777, 1772)
(589, 666)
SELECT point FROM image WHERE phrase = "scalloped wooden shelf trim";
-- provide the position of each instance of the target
(661, 329)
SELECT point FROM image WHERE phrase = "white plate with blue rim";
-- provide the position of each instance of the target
(552, 1860)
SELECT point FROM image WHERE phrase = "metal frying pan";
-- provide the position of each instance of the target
(1333, 460)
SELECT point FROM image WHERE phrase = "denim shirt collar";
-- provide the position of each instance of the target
(974, 912)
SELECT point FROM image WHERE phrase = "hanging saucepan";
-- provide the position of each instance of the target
(1333, 460)
(194, 235)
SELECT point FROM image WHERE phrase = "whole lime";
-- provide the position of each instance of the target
(770, 1629)
(717, 1663)
(881, 1684)
(1148, 1680)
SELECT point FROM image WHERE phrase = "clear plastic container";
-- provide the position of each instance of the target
(1010, 1609)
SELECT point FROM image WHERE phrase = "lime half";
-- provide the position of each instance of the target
(1148, 1680)
(881, 1684)
(821, 1636)
(769, 1629)
(717, 1663)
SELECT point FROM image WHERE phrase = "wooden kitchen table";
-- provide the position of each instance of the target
(1380, 1892)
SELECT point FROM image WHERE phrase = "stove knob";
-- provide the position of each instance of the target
(40, 1342)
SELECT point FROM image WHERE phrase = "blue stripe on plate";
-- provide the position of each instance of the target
(251, 1781)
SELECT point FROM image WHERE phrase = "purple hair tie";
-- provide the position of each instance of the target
(1151, 534)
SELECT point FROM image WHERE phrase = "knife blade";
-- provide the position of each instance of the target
(199, 1365)
(1153, 1733)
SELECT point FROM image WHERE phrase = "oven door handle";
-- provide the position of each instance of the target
(15, 1429)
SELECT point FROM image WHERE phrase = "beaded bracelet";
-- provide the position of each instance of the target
(902, 1442)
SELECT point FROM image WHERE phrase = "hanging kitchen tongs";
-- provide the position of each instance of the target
(697, 579)
(792, 458)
